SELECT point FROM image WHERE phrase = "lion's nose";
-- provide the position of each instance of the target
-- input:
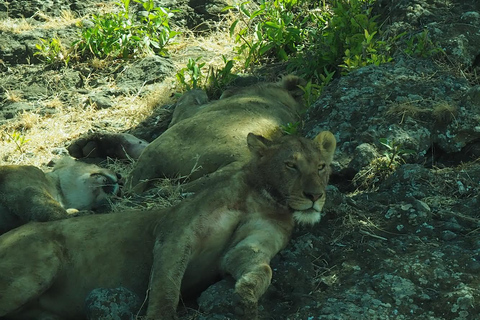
(313, 196)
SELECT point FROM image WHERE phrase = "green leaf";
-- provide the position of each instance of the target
(270, 24)
(264, 49)
(244, 10)
(283, 55)
(232, 27)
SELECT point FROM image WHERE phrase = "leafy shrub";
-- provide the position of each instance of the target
(420, 45)
(310, 35)
(125, 34)
(273, 30)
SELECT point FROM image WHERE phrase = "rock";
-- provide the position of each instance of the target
(363, 155)
(100, 100)
(146, 71)
(112, 304)
(217, 299)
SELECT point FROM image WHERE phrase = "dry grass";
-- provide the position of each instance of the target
(57, 120)
(444, 113)
(407, 109)
(45, 132)
(210, 47)
(66, 18)
(13, 95)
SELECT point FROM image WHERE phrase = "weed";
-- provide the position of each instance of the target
(312, 91)
(444, 113)
(125, 34)
(368, 55)
(381, 167)
(218, 79)
(346, 36)
(314, 39)
(13, 95)
(273, 30)
(190, 77)
(406, 109)
(215, 81)
(394, 153)
(421, 46)
(18, 138)
(52, 52)
(291, 128)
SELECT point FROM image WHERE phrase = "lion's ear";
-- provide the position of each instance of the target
(292, 84)
(327, 143)
(257, 144)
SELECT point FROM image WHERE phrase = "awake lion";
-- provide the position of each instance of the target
(233, 228)
(29, 194)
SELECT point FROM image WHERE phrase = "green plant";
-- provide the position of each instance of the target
(52, 51)
(348, 37)
(190, 77)
(394, 153)
(214, 82)
(369, 54)
(125, 34)
(18, 138)
(369, 177)
(311, 36)
(312, 91)
(218, 79)
(420, 45)
(291, 128)
(273, 30)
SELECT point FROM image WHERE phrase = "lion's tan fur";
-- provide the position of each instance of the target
(29, 194)
(208, 137)
(232, 228)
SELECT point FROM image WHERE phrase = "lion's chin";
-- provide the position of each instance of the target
(307, 217)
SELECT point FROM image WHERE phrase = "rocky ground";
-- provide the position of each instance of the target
(398, 240)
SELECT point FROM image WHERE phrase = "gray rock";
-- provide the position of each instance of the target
(146, 71)
(101, 100)
(112, 304)
(363, 155)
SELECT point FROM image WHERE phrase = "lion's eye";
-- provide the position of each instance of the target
(290, 165)
(321, 167)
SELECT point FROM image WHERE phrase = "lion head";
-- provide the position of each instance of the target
(294, 172)
(81, 185)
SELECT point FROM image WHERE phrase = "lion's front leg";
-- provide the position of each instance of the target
(249, 288)
(249, 267)
(170, 259)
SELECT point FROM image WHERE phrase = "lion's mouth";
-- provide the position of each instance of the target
(307, 217)
(309, 212)
(307, 205)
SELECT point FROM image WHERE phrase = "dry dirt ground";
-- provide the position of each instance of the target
(405, 247)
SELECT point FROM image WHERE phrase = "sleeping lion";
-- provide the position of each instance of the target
(29, 194)
(233, 228)
(204, 137)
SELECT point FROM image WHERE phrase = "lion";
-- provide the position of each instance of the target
(206, 137)
(232, 228)
(29, 194)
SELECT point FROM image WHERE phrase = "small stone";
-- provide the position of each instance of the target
(448, 235)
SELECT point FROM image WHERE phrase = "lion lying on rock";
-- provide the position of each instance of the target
(234, 228)
(29, 194)
(206, 137)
